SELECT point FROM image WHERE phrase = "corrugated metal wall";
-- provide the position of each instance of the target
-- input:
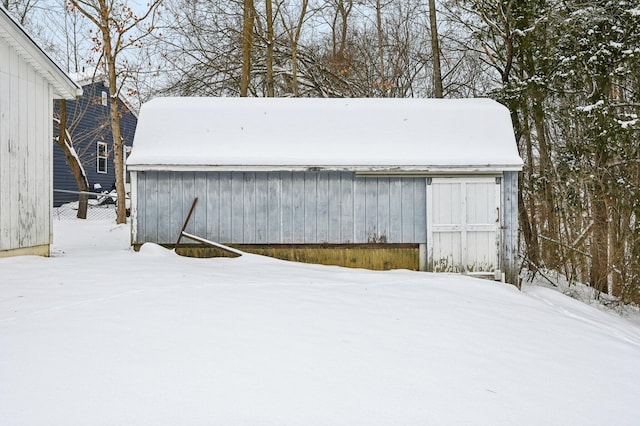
(281, 207)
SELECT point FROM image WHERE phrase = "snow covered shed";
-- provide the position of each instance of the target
(313, 179)
(29, 81)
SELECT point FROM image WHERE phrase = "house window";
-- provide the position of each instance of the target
(104, 98)
(102, 156)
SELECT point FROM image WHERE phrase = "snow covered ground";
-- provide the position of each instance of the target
(100, 335)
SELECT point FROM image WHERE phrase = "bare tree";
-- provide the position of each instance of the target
(247, 45)
(341, 10)
(435, 51)
(118, 28)
(293, 27)
(65, 143)
(270, 41)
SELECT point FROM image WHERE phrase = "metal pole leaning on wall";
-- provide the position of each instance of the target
(186, 222)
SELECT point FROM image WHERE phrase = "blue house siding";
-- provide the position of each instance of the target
(88, 123)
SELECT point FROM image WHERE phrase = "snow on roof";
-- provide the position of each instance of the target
(369, 133)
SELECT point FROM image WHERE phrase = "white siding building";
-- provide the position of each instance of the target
(29, 81)
(436, 176)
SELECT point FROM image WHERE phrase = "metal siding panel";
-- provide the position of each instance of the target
(429, 232)
(347, 226)
(35, 216)
(497, 231)
(249, 195)
(287, 207)
(359, 210)
(510, 227)
(322, 208)
(41, 147)
(408, 229)
(45, 133)
(384, 211)
(34, 192)
(212, 203)
(371, 209)
(176, 199)
(395, 210)
(141, 207)
(200, 212)
(165, 211)
(250, 211)
(262, 207)
(188, 194)
(297, 189)
(14, 156)
(133, 221)
(151, 222)
(334, 203)
(419, 210)
(11, 158)
(225, 208)
(237, 207)
(310, 207)
(5, 135)
(46, 111)
(273, 200)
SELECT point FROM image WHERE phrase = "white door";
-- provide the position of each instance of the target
(463, 225)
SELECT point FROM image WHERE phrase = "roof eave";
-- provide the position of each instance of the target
(409, 170)
(16, 37)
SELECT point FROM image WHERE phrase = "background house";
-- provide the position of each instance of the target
(29, 81)
(89, 126)
(432, 181)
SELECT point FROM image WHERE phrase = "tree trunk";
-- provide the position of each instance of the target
(247, 44)
(294, 69)
(599, 246)
(435, 48)
(383, 81)
(118, 157)
(294, 36)
(64, 142)
(616, 255)
(269, 59)
(115, 23)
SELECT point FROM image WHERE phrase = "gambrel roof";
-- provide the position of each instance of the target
(360, 134)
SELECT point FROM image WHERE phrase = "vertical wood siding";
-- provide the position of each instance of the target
(509, 261)
(326, 207)
(25, 154)
(281, 207)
